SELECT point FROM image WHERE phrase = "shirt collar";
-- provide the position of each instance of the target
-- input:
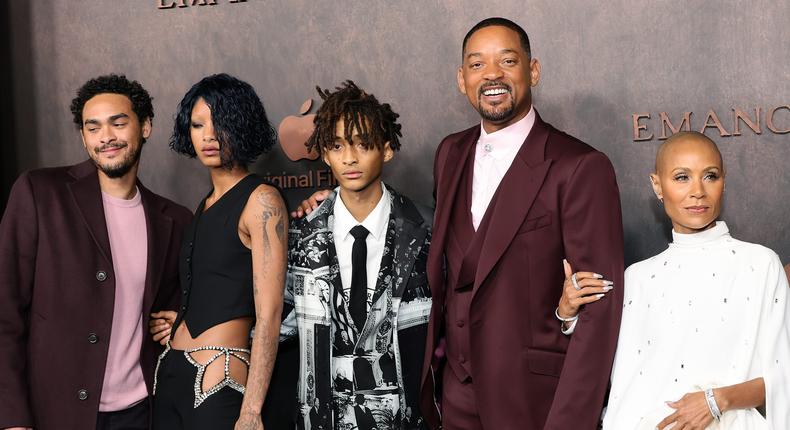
(507, 140)
(376, 221)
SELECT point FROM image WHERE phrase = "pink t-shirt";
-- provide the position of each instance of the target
(124, 385)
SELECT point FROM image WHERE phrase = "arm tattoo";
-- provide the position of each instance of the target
(271, 210)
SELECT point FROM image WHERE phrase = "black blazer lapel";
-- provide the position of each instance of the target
(514, 198)
(87, 196)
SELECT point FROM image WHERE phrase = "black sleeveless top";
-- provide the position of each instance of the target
(215, 267)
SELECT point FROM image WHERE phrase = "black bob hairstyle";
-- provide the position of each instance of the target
(113, 84)
(237, 115)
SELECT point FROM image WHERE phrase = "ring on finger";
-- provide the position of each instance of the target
(575, 283)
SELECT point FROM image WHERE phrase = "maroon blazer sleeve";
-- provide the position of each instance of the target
(592, 233)
(18, 238)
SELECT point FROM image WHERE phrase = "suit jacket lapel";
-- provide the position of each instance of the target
(404, 238)
(447, 191)
(87, 196)
(159, 229)
(514, 198)
(327, 266)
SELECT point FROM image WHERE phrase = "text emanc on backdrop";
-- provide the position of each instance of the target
(647, 126)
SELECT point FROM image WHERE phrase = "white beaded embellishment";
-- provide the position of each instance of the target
(227, 381)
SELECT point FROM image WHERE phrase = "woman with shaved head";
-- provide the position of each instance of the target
(704, 339)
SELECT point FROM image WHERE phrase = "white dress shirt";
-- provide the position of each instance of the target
(494, 153)
(376, 224)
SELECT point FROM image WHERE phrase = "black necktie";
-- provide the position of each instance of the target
(359, 277)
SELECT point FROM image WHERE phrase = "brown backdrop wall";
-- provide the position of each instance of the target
(602, 63)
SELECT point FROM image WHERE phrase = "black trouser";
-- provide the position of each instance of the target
(135, 418)
(175, 399)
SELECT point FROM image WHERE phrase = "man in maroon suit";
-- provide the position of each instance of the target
(514, 196)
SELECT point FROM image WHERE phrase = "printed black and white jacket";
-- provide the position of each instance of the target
(358, 372)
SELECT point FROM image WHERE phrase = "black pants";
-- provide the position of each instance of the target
(175, 398)
(134, 418)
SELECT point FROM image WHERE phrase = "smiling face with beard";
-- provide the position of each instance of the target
(497, 75)
(113, 135)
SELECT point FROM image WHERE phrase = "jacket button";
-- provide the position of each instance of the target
(92, 338)
(101, 276)
(189, 276)
(460, 323)
(189, 259)
(82, 394)
(183, 307)
(185, 291)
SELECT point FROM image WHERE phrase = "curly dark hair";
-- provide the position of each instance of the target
(113, 84)
(375, 122)
(239, 119)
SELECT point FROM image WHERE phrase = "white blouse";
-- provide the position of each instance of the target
(708, 312)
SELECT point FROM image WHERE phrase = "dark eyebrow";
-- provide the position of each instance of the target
(473, 54)
(118, 116)
(92, 122)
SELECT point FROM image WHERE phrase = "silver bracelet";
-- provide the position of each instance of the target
(557, 314)
(712, 405)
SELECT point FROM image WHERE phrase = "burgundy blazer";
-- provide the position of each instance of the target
(57, 290)
(558, 200)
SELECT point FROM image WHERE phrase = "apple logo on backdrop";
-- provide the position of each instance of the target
(294, 131)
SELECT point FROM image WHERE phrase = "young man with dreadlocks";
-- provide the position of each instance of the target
(356, 275)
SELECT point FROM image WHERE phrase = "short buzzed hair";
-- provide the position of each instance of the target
(686, 135)
(499, 22)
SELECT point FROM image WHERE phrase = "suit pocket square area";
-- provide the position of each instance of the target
(534, 223)
(543, 362)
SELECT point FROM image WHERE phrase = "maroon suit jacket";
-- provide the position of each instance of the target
(558, 200)
(57, 290)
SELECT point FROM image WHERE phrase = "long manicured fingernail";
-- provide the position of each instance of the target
(597, 276)
(608, 283)
(599, 295)
(608, 288)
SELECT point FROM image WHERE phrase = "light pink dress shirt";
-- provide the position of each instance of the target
(494, 153)
(124, 385)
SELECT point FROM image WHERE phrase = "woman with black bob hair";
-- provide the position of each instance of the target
(232, 269)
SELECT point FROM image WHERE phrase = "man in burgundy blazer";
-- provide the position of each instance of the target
(57, 276)
(506, 364)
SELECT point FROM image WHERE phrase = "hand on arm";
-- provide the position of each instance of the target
(266, 219)
(591, 288)
(592, 238)
(311, 203)
(161, 325)
(692, 411)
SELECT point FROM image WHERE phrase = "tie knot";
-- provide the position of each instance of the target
(359, 232)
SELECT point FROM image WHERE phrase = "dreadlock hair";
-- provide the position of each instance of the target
(240, 122)
(375, 122)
